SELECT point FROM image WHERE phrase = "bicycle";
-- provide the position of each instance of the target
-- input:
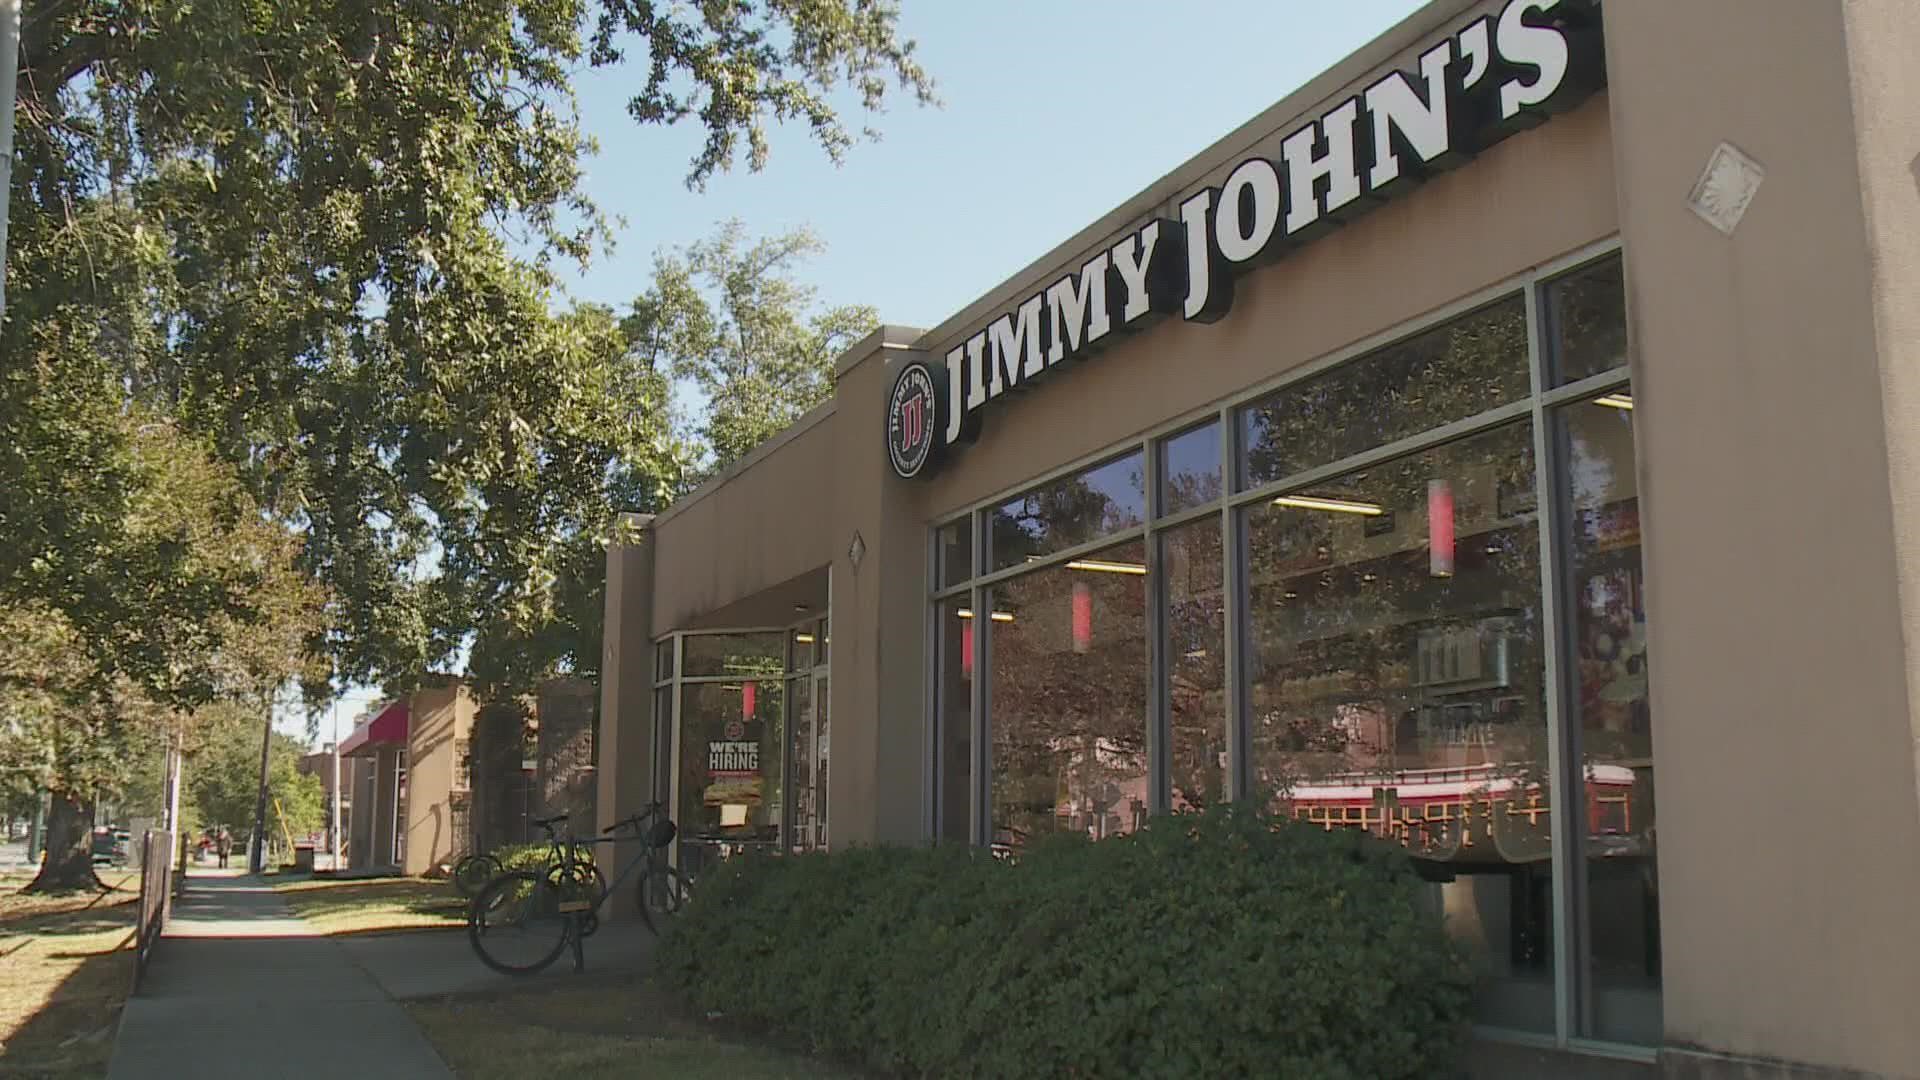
(523, 920)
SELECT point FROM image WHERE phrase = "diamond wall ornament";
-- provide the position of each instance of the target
(1725, 189)
(856, 551)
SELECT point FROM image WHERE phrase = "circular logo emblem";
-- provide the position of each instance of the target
(913, 419)
(733, 730)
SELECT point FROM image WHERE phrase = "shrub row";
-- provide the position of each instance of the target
(1215, 944)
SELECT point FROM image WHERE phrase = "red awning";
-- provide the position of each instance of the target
(387, 728)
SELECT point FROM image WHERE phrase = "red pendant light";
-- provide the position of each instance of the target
(1082, 617)
(1440, 527)
(748, 692)
(966, 650)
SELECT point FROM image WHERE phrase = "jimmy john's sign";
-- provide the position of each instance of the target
(1494, 76)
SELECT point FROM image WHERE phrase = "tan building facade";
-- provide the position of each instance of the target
(1514, 424)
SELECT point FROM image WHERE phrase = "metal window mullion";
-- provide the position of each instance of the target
(981, 771)
(1232, 578)
(1564, 818)
(1159, 733)
(1592, 385)
(673, 743)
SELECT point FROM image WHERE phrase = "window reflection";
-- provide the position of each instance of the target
(954, 725)
(1190, 561)
(1068, 699)
(1586, 314)
(1396, 686)
(955, 543)
(760, 655)
(1070, 511)
(1609, 670)
(1190, 468)
(1465, 367)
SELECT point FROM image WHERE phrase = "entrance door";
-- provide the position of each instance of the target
(818, 780)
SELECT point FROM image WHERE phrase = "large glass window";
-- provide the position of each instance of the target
(1196, 651)
(1448, 373)
(1190, 468)
(1395, 656)
(1071, 511)
(1604, 587)
(1068, 691)
(734, 655)
(1360, 637)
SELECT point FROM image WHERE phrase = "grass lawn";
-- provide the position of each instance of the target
(337, 906)
(613, 1026)
(66, 964)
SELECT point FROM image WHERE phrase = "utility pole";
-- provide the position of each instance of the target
(257, 851)
(9, 76)
(333, 807)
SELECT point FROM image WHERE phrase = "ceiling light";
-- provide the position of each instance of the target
(1106, 567)
(1615, 401)
(804, 639)
(998, 616)
(1338, 506)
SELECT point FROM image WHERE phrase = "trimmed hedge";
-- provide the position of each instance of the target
(1215, 944)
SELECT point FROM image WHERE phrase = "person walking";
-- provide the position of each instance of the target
(224, 846)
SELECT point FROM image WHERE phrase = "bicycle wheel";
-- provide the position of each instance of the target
(516, 925)
(662, 896)
(472, 873)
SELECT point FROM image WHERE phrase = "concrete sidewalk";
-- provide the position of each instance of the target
(243, 988)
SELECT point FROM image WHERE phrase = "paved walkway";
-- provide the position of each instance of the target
(240, 987)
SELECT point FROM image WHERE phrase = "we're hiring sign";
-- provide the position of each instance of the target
(1492, 77)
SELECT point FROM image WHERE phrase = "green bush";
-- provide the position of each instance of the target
(1224, 943)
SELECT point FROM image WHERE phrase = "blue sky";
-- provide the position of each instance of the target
(1053, 112)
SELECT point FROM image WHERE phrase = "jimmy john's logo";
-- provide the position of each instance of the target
(913, 419)
(1494, 76)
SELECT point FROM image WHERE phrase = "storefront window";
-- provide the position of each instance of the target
(954, 542)
(1609, 672)
(735, 655)
(1395, 681)
(1586, 313)
(731, 745)
(1190, 468)
(1454, 371)
(1070, 511)
(953, 750)
(1196, 651)
(1365, 648)
(1068, 693)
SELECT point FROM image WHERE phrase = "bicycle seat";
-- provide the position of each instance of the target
(546, 821)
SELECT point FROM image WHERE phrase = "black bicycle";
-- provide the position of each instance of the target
(522, 921)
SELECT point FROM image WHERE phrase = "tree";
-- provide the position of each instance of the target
(285, 227)
(215, 608)
(730, 317)
(222, 777)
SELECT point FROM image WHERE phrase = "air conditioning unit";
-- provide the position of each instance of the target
(1461, 659)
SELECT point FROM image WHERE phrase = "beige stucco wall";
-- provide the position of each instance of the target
(1790, 843)
(439, 718)
(759, 524)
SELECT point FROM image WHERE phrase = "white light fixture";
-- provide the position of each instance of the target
(1615, 401)
(1105, 567)
(998, 616)
(1338, 506)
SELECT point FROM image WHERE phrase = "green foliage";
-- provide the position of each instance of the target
(290, 229)
(1225, 943)
(222, 777)
(729, 316)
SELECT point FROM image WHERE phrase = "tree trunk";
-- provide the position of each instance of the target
(69, 864)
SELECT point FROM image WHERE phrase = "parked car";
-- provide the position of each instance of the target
(111, 846)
